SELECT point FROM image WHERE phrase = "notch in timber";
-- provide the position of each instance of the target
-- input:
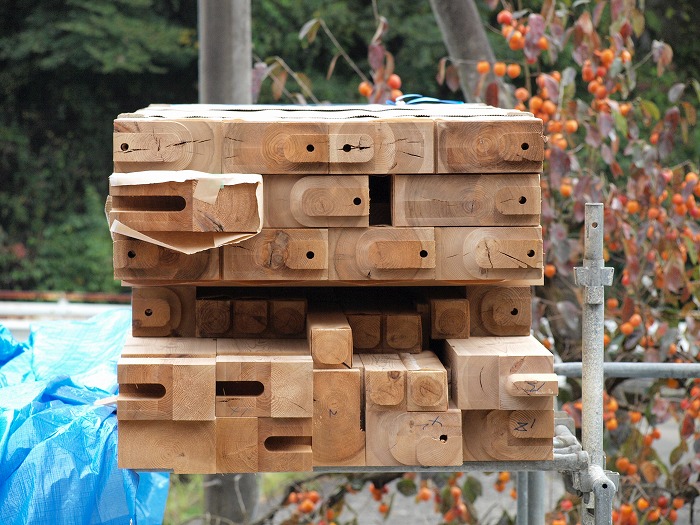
(288, 444)
(239, 388)
(133, 391)
(148, 203)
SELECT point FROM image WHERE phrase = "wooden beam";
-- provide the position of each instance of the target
(183, 447)
(300, 201)
(500, 310)
(338, 438)
(426, 382)
(264, 386)
(330, 339)
(490, 254)
(139, 260)
(466, 200)
(504, 435)
(490, 145)
(381, 254)
(284, 445)
(166, 388)
(449, 318)
(385, 381)
(144, 144)
(427, 439)
(162, 311)
(278, 255)
(487, 373)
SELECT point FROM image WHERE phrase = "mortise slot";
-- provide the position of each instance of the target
(134, 391)
(239, 388)
(288, 444)
(148, 203)
(380, 200)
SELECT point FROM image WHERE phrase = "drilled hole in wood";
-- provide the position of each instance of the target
(124, 146)
(531, 253)
(148, 312)
(347, 148)
(594, 225)
(514, 311)
(310, 148)
(131, 254)
(525, 146)
(443, 438)
(310, 255)
(423, 253)
(239, 388)
(522, 199)
(357, 201)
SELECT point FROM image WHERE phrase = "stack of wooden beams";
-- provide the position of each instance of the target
(329, 286)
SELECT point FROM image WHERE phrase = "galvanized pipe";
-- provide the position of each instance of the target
(521, 517)
(535, 507)
(636, 370)
(592, 276)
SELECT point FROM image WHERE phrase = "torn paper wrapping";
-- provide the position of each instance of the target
(207, 190)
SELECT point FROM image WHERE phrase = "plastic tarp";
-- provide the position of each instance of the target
(58, 449)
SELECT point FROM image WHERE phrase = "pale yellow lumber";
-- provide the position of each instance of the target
(426, 382)
(284, 445)
(292, 254)
(183, 447)
(449, 318)
(466, 200)
(338, 439)
(236, 445)
(300, 201)
(330, 339)
(162, 311)
(504, 435)
(499, 310)
(385, 381)
(398, 438)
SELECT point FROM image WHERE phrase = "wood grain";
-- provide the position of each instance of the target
(385, 381)
(426, 382)
(301, 201)
(484, 369)
(143, 144)
(490, 145)
(381, 254)
(291, 254)
(503, 435)
(163, 311)
(330, 339)
(490, 254)
(284, 445)
(396, 437)
(136, 260)
(466, 200)
(500, 310)
(338, 437)
(183, 447)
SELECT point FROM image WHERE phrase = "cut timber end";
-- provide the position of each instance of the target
(385, 381)
(499, 310)
(163, 311)
(338, 438)
(330, 339)
(399, 438)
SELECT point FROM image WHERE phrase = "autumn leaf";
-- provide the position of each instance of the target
(309, 30)
(662, 54)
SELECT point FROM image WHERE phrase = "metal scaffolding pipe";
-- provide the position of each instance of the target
(635, 370)
(535, 507)
(521, 517)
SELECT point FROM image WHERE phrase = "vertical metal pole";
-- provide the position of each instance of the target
(593, 356)
(593, 276)
(535, 507)
(523, 498)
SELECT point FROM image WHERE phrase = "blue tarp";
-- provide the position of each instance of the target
(58, 450)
